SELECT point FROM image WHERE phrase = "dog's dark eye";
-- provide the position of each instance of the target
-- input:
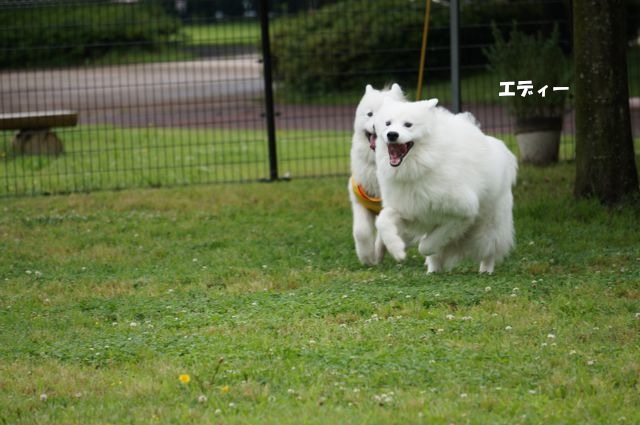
(388, 123)
(408, 124)
(369, 114)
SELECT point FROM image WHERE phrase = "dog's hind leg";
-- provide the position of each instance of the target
(388, 223)
(486, 265)
(433, 263)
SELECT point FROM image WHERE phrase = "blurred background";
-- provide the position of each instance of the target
(173, 92)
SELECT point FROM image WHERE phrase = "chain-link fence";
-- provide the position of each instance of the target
(117, 94)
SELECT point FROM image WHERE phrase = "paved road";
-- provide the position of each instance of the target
(132, 94)
(212, 93)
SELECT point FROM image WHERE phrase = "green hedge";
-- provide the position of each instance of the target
(336, 46)
(344, 45)
(62, 35)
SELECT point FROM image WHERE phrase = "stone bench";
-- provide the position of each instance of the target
(34, 136)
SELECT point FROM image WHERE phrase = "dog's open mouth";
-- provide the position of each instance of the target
(371, 137)
(397, 152)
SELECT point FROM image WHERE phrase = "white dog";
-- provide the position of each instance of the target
(364, 191)
(445, 186)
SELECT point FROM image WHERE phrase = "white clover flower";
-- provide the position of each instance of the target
(508, 328)
(217, 412)
(551, 336)
(383, 398)
(133, 324)
(202, 398)
(44, 397)
(450, 317)
(487, 289)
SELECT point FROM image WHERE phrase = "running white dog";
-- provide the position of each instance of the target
(445, 186)
(364, 191)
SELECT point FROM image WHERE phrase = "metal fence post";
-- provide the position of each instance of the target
(454, 24)
(268, 90)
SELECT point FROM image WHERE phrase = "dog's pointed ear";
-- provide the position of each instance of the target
(368, 88)
(428, 104)
(396, 89)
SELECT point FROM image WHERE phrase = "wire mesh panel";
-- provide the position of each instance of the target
(170, 92)
(163, 97)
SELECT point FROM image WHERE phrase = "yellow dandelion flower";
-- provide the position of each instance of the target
(184, 378)
(225, 389)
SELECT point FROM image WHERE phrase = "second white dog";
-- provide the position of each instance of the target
(445, 186)
(364, 191)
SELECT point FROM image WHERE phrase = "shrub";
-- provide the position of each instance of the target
(536, 58)
(346, 44)
(62, 35)
(338, 46)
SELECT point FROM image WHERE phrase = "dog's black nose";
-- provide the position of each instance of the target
(392, 136)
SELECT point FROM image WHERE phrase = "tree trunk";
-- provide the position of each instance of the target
(605, 159)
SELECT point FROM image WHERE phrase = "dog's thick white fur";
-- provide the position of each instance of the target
(445, 186)
(369, 247)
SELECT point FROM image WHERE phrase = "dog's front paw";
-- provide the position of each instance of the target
(397, 251)
(434, 264)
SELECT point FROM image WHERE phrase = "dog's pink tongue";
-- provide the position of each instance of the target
(372, 141)
(397, 151)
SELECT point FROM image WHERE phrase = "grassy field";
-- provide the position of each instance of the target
(103, 157)
(246, 304)
(223, 33)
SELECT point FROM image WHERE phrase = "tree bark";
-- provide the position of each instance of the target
(605, 158)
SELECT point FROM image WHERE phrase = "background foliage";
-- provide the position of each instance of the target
(59, 35)
(339, 45)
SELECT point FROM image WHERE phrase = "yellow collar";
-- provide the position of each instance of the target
(372, 204)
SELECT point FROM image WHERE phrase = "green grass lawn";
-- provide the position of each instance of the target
(223, 33)
(105, 157)
(254, 291)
